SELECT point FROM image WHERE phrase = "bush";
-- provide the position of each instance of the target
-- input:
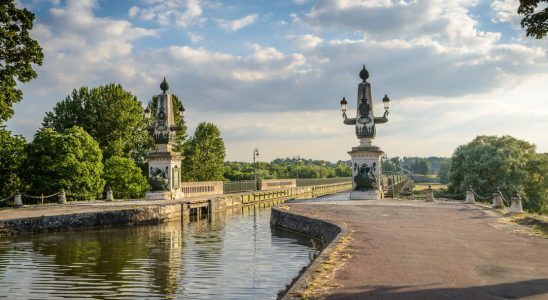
(69, 160)
(125, 178)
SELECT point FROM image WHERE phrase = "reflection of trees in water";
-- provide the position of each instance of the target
(105, 253)
(110, 254)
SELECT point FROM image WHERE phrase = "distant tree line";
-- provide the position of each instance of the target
(287, 168)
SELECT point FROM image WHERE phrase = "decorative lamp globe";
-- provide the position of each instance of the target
(385, 101)
(147, 113)
(344, 104)
(181, 111)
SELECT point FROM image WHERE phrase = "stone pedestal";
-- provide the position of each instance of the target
(369, 156)
(497, 201)
(169, 164)
(164, 195)
(470, 199)
(516, 207)
(429, 195)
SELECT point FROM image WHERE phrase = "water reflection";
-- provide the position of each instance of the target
(235, 255)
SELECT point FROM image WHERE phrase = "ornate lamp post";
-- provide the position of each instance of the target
(366, 158)
(255, 154)
(164, 174)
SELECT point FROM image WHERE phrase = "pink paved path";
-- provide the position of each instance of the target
(415, 250)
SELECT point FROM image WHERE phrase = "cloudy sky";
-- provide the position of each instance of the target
(271, 73)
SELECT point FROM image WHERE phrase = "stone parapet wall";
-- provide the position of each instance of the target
(275, 184)
(153, 214)
(202, 188)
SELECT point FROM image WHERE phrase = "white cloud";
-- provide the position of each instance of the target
(235, 25)
(181, 13)
(194, 37)
(505, 11)
(306, 41)
(448, 80)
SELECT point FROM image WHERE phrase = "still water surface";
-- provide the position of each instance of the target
(234, 256)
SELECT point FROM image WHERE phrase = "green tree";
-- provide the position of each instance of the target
(536, 184)
(111, 115)
(12, 155)
(181, 134)
(18, 51)
(535, 20)
(489, 162)
(71, 160)
(204, 155)
(125, 178)
(444, 171)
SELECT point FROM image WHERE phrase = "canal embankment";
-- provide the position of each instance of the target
(95, 214)
(396, 249)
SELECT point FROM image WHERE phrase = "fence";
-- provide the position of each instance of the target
(239, 186)
(322, 181)
(251, 185)
(190, 189)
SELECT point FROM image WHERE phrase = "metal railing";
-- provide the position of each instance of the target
(239, 186)
(322, 181)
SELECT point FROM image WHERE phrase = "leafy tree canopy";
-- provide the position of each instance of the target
(111, 115)
(535, 19)
(18, 51)
(12, 155)
(204, 155)
(181, 135)
(71, 160)
(489, 162)
(125, 178)
(536, 184)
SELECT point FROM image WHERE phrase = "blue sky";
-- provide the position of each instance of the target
(271, 73)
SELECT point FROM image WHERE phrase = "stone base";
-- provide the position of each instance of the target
(367, 195)
(164, 195)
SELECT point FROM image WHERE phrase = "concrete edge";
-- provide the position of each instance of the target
(329, 233)
(150, 214)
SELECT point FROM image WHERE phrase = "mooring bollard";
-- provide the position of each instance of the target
(470, 199)
(515, 206)
(62, 197)
(18, 199)
(110, 195)
(497, 199)
(429, 194)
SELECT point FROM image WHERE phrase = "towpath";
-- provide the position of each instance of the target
(401, 249)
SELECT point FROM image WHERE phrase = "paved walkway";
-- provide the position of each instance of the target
(32, 211)
(405, 249)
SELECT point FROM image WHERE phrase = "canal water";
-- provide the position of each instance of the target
(236, 255)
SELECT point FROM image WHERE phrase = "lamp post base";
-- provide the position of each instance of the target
(164, 195)
(365, 195)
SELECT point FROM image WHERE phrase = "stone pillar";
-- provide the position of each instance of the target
(17, 199)
(62, 197)
(212, 209)
(470, 198)
(110, 195)
(515, 206)
(497, 200)
(430, 194)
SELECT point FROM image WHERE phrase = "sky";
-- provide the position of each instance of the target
(271, 74)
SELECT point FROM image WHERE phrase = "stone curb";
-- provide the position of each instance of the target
(329, 233)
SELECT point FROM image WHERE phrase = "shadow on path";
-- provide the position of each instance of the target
(513, 290)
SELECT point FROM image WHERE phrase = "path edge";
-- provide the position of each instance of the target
(330, 233)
